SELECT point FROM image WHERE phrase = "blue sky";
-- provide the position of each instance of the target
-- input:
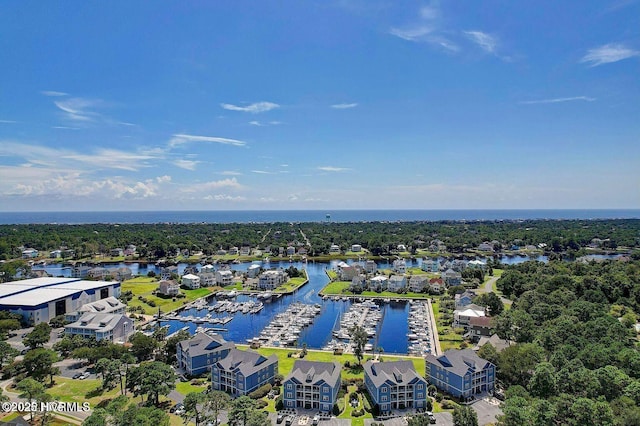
(191, 105)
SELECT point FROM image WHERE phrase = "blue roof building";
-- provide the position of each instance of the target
(395, 385)
(242, 372)
(461, 373)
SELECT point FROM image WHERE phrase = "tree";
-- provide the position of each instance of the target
(7, 353)
(463, 415)
(39, 363)
(110, 371)
(257, 418)
(152, 379)
(418, 421)
(192, 403)
(40, 335)
(171, 344)
(492, 301)
(543, 381)
(30, 390)
(359, 339)
(215, 402)
(240, 410)
(142, 346)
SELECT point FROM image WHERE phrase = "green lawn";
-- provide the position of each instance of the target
(291, 285)
(73, 390)
(341, 288)
(186, 387)
(144, 286)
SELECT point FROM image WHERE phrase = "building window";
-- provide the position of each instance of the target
(289, 386)
(419, 386)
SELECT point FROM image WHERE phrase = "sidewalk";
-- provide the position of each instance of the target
(437, 350)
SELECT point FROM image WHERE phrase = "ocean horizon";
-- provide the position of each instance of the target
(272, 216)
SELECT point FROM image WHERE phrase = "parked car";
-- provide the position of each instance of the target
(280, 417)
(77, 375)
(316, 420)
(432, 418)
(84, 375)
(288, 421)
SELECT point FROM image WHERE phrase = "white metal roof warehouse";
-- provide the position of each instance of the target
(41, 299)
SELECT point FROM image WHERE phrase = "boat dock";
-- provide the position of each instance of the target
(285, 328)
(420, 333)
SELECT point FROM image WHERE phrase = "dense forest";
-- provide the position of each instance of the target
(380, 238)
(575, 360)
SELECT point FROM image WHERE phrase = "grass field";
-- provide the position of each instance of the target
(341, 288)
(291, 285)
(186, 387)
(144, 286)
(73, 390)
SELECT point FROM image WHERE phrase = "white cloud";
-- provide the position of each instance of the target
(261, 172)
(558, 100)
(53, 93)
(113, 159)
(211, 185)
(344, 106)
(163, 179)
(608, 53)
(186, 164)
(412, 34)
(486, 42)
(333, 169)
(179, 139)
(224, 197)
(252, 108)
(79, 109)
(230, 173)
(8, 121)
(256, 123)
(264, 123)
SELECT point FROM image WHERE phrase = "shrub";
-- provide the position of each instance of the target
(438, 397)
(279, 403)
(429, 404)
(447, 404)
(261, 403)
(336, 410)
(357, 413)
(261, 392)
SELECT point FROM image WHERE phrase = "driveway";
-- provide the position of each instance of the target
(487, 409)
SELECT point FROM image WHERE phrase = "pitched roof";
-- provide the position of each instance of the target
(246, 362)
(480, 322)
(102, 322)
(314, 372)
(203, 343)
(394, 371)
(459, 361)
(495, 341)
(106, 305)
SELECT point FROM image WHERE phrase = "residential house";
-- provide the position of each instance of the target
(395, 385)
(458, 265)
(479, 327)
(488, 247)
(29, 253)
(167, 272)
(221, 252)
(272, 278)
(245, 251)
(208, 268)
(242, 372)
(356, 248)
(399, 266)
(417, 283)
(116, 252)
(401, 247)
(55, 254)
(115, 328)
(461, 373)
(196, 355)
(462, 317)
(291, 251)
(358, 282)
(477, 264)
(346, 272)
(253, 270)
(495, 341)
(378, 283)
(224, 278)
(121, 274)
(233, 251)
(207, 279)
(312, 385)
(99, 273)
(397, 282)
(370, 267)
(430, 265)
(130, 250)
(436, 285)
(452, 277)
(334, 249)
(191, 281)
(80, 271)
(169, 288)
(464, 299)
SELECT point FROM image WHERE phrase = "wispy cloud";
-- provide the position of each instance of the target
(427, 28)
(261, 172)
(225, 197)
(65, 127)
(79, 109)
(181, 138)
(8, 121)
(113, 159)
(485, 41)
(411, 34)
(608, 53)
(186, 164)
(333, 169)
(231, 183)
(344, 106)
(558, 100)
(53, 93)
(264, 123)
(252, 108)
(230, 173)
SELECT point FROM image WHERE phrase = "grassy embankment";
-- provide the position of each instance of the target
(144, 286)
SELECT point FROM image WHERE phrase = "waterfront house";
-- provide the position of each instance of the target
(99, 273)
(80, 271)
(114, 328)
(399, 266)
(29, 253)
(233, 251)
(334, 249)
(271, 279)
(462, 317)
(458, 265)
(356, 248)
(378, 283)
(55, 254)
(460, 373)
(370, 267)
(395, 385)
(242, 372)
(291, 251)
(116, 252)
(207, 278)
(346, 272)
(245, 251)
(430, 265)
(312, 385)
(358, 282)
(452, 277)
(191, 281)
(477, 264)
(464, 299)
(495, 341)
(417, 283)
(487, 247)
(167, 272)
(197, 355)
(401, 247)
(169, 288)
(121, 274)
(397, 282)
(224, 278)
(253, 270)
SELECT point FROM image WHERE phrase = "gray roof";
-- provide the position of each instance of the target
(459, 361)
(105, 306)
(392, 372)
(102, 322)
(246, 362)
(495, 341)
(203, 343)
(314, 372)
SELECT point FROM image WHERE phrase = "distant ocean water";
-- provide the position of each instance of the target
(265, 216)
